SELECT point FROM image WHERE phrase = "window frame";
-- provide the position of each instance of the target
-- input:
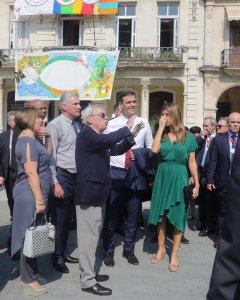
(126, 17)
(81, 29)
(175, 24)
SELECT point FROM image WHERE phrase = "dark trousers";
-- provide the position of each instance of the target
(222, 205)
(225, 280)
(9, 184)
(211, 209)
(61, 213)
(28, 268)
(201, 205)
(126, 202)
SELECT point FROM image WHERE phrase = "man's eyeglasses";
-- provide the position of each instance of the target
(220, 126)
(101, 115)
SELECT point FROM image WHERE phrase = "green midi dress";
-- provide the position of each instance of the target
(172, 175)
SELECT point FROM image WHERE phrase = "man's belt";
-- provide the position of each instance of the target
(117, 168)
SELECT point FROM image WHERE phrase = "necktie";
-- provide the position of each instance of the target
(208, 140)
(233, 140)
(75, 127)
(127, 159)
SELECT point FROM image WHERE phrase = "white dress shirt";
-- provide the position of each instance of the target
(143, 139)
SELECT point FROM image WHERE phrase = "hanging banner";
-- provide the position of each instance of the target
(86, 7)
(33, 7)
(83, 7)
(47, 75)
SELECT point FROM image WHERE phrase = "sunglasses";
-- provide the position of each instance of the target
(220, 126)
(101, 115)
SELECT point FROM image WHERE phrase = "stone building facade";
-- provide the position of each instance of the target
(170, 51)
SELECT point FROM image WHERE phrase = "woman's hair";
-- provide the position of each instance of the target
(177, 125)
(25, 118)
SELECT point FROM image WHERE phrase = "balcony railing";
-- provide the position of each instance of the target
(130, 55)
(231, 57)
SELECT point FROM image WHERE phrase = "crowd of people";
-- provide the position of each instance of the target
(83, 166)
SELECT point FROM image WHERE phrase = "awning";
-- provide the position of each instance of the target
(233, 13)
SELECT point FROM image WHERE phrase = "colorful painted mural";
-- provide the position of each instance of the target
(84, 7)
(47, 75)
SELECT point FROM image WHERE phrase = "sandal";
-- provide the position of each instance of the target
(156, 259)
(173, 267)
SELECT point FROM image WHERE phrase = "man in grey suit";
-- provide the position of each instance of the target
(93, 188)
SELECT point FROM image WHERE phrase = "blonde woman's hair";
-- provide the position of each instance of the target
(25, 118)
(177, 125)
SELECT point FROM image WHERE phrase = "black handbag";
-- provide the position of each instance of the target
(188, 191)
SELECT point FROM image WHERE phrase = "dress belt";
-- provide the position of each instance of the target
(117, 168)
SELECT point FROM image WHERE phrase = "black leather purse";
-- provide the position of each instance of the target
(188, 191)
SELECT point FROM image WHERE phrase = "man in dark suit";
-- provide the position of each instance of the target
(8, 166)
(225, 280)
(219, 167)
(93, 188)
(202, 159)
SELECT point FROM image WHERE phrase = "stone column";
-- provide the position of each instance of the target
(1, 103)
(145, 82)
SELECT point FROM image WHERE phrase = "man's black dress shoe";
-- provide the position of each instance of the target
(99, 290)
(205, 232)
(184, 240)
(109, 260)
(62, 268)
(130, 256)
(71, 260)
(101, 277)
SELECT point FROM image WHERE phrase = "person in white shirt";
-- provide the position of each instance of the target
(124, 200)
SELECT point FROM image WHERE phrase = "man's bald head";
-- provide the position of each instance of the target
(234, 122)
(41, 106)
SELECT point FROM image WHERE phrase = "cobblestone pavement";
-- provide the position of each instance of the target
(128, 282)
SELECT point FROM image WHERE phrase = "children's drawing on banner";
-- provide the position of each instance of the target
(48, 75)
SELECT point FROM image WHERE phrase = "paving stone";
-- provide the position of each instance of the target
(142, 282)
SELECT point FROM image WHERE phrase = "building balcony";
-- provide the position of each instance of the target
(231, 61)
(169, 58)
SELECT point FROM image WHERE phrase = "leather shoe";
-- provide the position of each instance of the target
(99, 290)
(205, 232)
(130, 256)
(109, 260)
(71, 260)
(184, 240)
(62, 268)
(101, 277)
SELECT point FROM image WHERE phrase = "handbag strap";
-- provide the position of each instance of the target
(35, 219)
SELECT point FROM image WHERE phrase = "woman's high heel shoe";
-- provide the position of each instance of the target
(173, 267)
(156, 259)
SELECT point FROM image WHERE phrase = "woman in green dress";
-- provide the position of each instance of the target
(176, 148)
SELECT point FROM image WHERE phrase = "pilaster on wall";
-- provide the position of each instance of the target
(210, 109)
(145, 82)
(1, 103)
(209, 10)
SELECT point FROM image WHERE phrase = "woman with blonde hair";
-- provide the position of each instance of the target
(176, 148)
(30, 194)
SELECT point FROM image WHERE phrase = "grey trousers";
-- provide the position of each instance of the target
(28, 268)
(89, 226)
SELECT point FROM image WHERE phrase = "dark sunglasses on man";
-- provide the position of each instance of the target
(220, 126)
(101, 115)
